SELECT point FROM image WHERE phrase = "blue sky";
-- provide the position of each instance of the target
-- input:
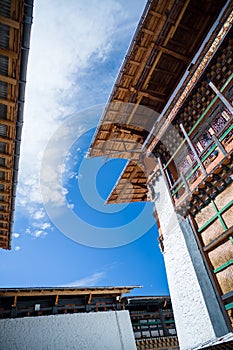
(77, 48)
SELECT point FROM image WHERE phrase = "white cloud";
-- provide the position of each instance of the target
(39, 214)
(39, 229)
(28, 231)
(17, 248)
(45, 226)
(61, 51)
(39, 233)
(15, 235)
(79, 176)
(65, 191)
(91, 280)
(58, 55)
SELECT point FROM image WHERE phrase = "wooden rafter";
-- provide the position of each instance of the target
(120, 190)
(7, 102)
(64, 291)
(150, 96)
(174, 54)
(57, 299)
(7, 79)
(4, 213)
(122, 88)
(7, 122)
(135, 63)
(4, 169)
(3, 238)
(128, 76)
(9, 53)
(5, 182)
(148, 31)
(4, 222)
(9, 22)
(165, 72)
(4, 193)
(155, 14)
(15, 301)
(6, 156)
(6, 140)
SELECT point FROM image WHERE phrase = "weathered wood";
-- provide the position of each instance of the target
(136, 63)
(3, 238)
(165, 72)
(9, 22)
(6, 170)
(5, 182)
(65, 291)
(148, 31)
(155, 14)
(174, 54)
(57, 299)
(122, 88)
(7, 122)
(4, 222)
(128, 75)
(7, 79)
(6, 156)
(9, 53)
(7, 102)
(151, 97)
(6, 140)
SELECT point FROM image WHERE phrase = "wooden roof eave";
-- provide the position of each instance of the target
(129, 88)
(122, 187)
(19, 28)
(142, 92)
(128, 60)
(25, 292)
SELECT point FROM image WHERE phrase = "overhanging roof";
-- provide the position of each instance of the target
(168, 37)
(15, 27)
(131, 186)
(24, 292)
(25, 302)
(132, 183)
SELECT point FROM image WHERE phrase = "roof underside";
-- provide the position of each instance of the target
(165, 42)
(168, 37)
(196, 103)
(15, 25)
(25, 302)
(132, 184)
(24, 292)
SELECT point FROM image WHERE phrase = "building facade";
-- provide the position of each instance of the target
(60, 318)
(153, 322)
(171, 108)
(80, 318)
(15, 28)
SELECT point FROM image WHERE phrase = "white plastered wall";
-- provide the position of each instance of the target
(193, 322)
(85, 331)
